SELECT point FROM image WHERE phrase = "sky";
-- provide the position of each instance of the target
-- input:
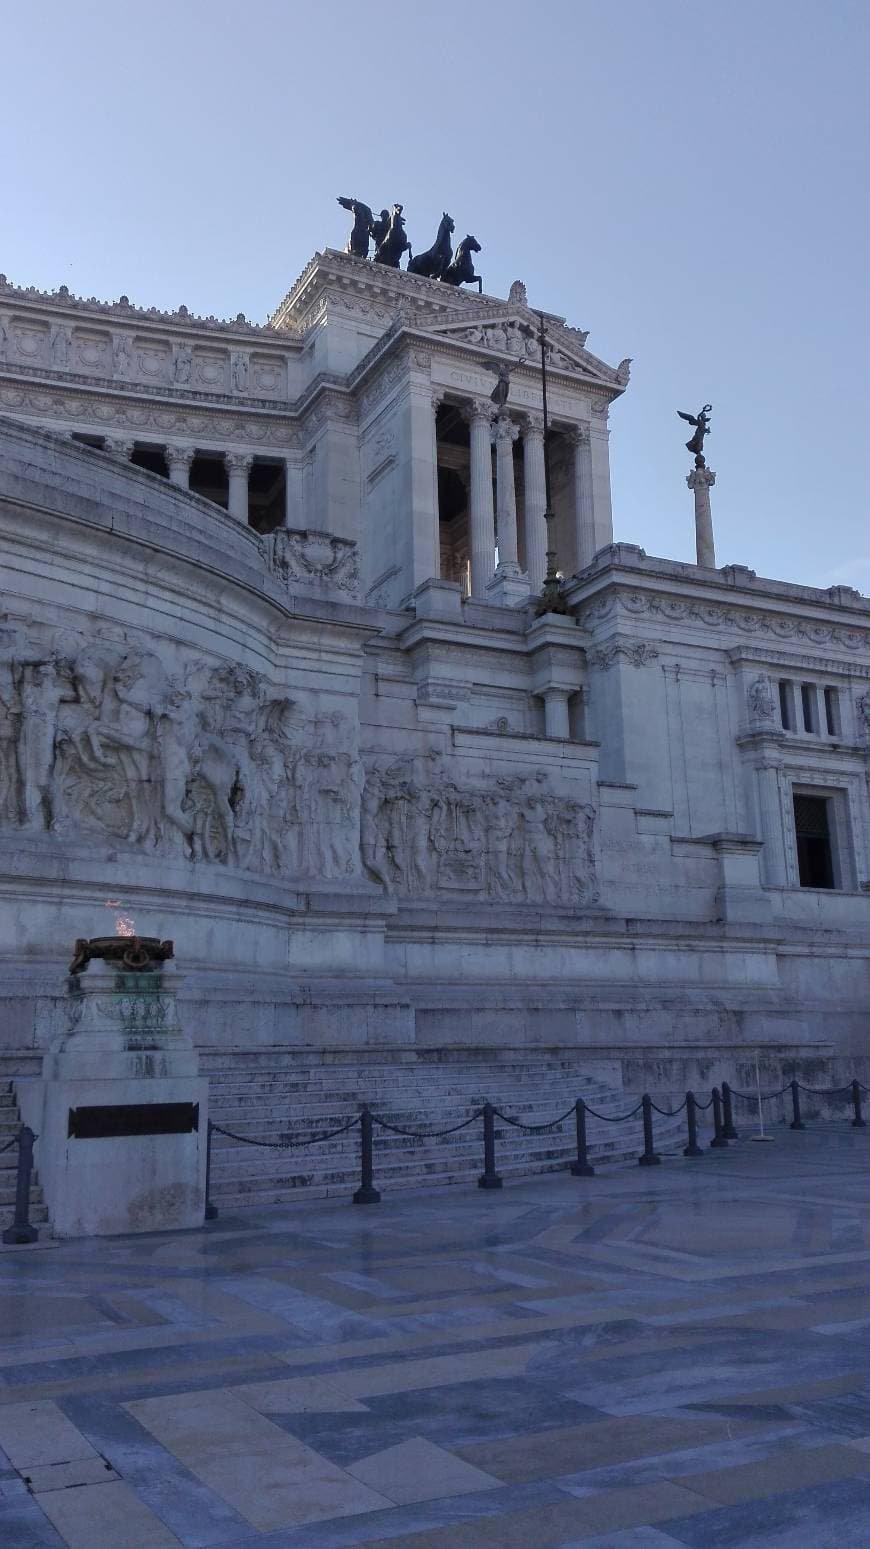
(687, 182)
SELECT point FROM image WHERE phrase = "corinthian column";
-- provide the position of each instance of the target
(238, 466)
(480, 509)
(534, 526)
(584, 511)
(505, 434)
(179, 459)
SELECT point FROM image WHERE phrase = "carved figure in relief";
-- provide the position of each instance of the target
(4, 337)
(40, 693)
(434, 261)
(59, 344)
(862, 709)
(122, 355)
(701, 422)
(761, 701)
(239, 372)
(182, 364)
(460, 270)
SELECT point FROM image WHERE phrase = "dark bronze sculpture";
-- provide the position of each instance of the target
(434, 261)
(701, 422)
(133, 954)
(460, 271)
(363, 222)
(391, 247)
(500, 392)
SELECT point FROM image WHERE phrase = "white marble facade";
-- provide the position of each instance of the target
(271, 680)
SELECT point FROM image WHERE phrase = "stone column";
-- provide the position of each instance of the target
(120, 448)
(437, 400)
(556, 723)
(504, 435)
(480, 508)
(179, 459)
(584, 510)
(238, 466)
(294, 491)
(700, 481)
(534, 526)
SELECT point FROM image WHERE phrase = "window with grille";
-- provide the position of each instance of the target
(812, 826)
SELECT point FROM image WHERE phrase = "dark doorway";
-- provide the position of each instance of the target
(813, 833)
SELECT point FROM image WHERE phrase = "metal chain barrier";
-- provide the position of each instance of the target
(287, 1145)
(752, 1097)
(825, 1091)
(534, 1129)
(422, 1134)
(616, 1118)
(669, 1113)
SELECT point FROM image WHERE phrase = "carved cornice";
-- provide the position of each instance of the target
(721, 619)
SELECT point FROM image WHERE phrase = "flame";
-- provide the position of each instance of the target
(125, 925)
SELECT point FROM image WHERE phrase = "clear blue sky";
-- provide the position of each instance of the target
(688, 182)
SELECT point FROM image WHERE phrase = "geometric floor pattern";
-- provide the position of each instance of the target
(653, 1357)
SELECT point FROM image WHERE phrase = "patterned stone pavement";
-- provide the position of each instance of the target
(650, 1358)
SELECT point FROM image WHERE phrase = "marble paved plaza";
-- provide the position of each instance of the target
(677, 1356)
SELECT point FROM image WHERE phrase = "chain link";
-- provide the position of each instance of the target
(533, 1129)
(421, 1134)
(287, 1145)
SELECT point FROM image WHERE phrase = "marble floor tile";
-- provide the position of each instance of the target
(417, 1470)
(680, 1359)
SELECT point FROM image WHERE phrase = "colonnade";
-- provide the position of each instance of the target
(486, 427)
(238, 465)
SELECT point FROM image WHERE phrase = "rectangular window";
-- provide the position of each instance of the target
(784, 704)
(808, 705)
(812, 825)
(832, 712)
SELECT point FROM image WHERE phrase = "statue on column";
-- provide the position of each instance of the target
(501, 391)
(701, 422)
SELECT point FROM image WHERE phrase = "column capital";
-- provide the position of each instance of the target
(437, 398)
(119, 447)
(533, 424)
(700, 478)
(478, 411)
(238, 462)
(579, 435)
(504, 429)
(181, 455)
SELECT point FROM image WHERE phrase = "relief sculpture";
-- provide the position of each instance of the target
(515, 840)
(208, 764)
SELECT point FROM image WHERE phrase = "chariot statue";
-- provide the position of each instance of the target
(435, 260)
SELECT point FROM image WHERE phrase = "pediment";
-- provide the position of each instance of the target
(513, 333)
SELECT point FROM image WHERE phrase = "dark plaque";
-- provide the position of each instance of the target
(123, 1119)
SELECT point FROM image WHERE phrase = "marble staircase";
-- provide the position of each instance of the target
(283, 1096)
(10, 1123)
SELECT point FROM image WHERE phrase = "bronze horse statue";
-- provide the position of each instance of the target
(460, 270)
(391, 247)
(434, 261)
(363, 220)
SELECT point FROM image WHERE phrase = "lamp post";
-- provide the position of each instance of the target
(550, 600)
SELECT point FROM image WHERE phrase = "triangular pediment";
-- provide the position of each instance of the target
(513, 333)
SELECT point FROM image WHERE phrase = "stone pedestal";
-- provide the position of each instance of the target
(123, 1129)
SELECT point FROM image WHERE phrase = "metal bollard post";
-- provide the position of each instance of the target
(211, 1211)
(21, 1229)
(728, 1129)
(796, 1122)
(857, 1122)
(648, 1157)
(366, 1194)
(692, 1149)
(582, 1168)
(489, 1178)
(719, 1136)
